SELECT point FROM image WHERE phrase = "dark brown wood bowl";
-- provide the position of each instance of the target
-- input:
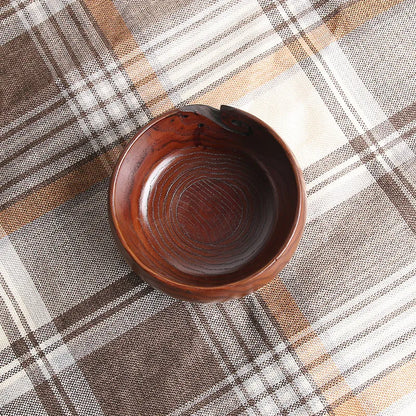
(206, 204)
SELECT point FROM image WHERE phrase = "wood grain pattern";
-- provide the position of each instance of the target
(207, 204)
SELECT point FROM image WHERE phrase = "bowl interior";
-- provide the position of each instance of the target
(199, 203)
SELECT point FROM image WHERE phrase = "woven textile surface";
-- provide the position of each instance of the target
(333, 334)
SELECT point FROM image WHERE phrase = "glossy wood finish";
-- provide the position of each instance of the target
(207, 204)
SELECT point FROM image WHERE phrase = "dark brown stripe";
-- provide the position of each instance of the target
(33, 119)
(95, 321)
(10, 11)
(54, 381)
(35, 142)
(399, 200)
(95, 302)
(404, 117)
(79, 312)
(224, 390)
(48, 399)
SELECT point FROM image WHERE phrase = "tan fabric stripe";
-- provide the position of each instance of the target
(280, 61)
(123, 43)
(56, 193)
(291, 321)
(380, 395)
(283, 308)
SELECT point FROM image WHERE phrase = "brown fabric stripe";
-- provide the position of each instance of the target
(399, 199)
(95, 321)
(403, 117)
(96, 301)
(56, 193)
(284, 308)
(48, 399)
(30, 120)
(78, 64)
(94, 154)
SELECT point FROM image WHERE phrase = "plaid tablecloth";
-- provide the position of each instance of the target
(334, 334)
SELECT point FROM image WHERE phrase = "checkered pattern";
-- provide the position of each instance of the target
(333, 334)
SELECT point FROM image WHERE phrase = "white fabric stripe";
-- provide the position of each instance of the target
(207, 30)
(118, 324)
(378, 364)
(324, 74)
(354, 89)
(13, 364)
(180, 28)
(341, 310)
(4, 342)
(370, 314)
(37, 13)
(234, 62)
(57, 338)
(230, 379)
(21, 286)
(14, 387)
(398, 154)
(30, 113)
(36, 314)
(226, 46)
(353, 182)
(12, 311)
(338, 191)
(332, 172)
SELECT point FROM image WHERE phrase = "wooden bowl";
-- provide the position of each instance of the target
(206, 204)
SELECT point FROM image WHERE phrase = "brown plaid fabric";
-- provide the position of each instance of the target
(334, 334)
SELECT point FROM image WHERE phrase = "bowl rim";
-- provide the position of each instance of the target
(298, 223)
